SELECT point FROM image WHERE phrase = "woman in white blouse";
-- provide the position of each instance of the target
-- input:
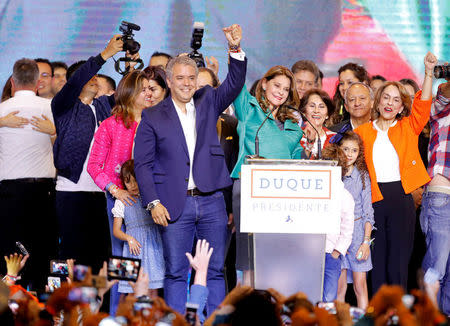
(395, 170)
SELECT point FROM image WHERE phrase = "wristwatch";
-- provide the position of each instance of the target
(152, 204)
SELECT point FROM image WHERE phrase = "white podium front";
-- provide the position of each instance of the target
(287, 207)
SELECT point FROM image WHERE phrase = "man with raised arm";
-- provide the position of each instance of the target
(180, 169)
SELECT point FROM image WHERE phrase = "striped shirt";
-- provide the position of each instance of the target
(439, 147)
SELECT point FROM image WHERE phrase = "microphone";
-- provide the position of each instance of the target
(319, 142)
(256, 135)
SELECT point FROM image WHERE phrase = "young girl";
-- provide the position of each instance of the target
(336, 245)
(143, 239)
(357, 182)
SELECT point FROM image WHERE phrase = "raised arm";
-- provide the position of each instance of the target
(429, 62)
(420, 113)
(227, 92)
(65, 99)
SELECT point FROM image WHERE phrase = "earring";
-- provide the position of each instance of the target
(264, 89)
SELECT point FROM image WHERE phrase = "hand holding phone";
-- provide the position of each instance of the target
(123, 268)
(59, 267)
(22, 248)
(191, 313)
(53, 282)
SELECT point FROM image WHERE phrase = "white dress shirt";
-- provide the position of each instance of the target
(187, 121)
(385, 157)
(24, 152)
(85, 183)
(188, 124)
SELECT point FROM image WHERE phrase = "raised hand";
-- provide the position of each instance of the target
(15, 263)
(430, 62)
(109, 284)
(115, 45)
(11, 120)
(44, 125)
(140, 287)
(202, 255)
(213, 64)
(233, 34)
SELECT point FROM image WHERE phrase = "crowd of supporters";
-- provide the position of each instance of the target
(150, 169)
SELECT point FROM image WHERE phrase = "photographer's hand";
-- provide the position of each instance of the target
(132, 63)
(115, 45)
(233, 34)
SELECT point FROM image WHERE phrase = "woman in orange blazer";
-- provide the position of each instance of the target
(395, 170)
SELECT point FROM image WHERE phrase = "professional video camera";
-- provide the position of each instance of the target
(196, 43)
(442, 72)
(130, 45)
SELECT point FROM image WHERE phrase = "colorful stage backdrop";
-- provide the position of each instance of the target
(388, 37)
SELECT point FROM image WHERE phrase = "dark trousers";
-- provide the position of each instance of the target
(27, 215)
(83, 227)
(395, 219)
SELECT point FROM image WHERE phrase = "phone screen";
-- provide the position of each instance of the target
(59, 267)
(191, 313)
(53, 282)
(123, 268)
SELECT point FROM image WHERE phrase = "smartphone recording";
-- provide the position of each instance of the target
(79, 272)
(59, 267)
(53, 282)
(83, 294)
(122, 268)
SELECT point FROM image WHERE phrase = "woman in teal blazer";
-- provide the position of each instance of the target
(279, 137)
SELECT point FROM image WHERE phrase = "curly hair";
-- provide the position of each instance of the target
(360, 162)
(284, 112)
(335, 153)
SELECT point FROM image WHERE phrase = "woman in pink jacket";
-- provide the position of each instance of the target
(113, 141)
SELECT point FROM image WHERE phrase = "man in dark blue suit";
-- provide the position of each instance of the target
(180, 169)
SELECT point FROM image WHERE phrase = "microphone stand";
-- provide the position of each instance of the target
(256, 135)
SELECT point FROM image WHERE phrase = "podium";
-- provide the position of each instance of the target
(287, 207)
